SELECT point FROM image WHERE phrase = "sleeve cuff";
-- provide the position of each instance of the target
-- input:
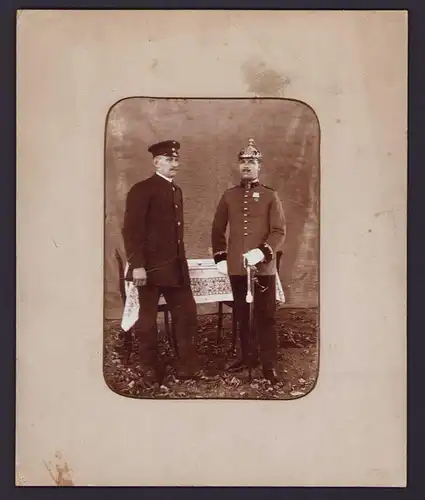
(267, 251)
(219, 257)
(134, 262)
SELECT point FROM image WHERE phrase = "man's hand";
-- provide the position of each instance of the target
(254, 256)
(222, 267)
(139, 276)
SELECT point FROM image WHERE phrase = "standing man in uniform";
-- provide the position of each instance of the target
(153, 241)
(257, 230)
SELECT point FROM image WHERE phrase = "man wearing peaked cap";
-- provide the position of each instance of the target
(165, 148)
(256, 221)
(153, 241)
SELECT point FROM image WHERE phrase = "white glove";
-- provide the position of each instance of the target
(254, 256)
(222, 267)
(139, 276)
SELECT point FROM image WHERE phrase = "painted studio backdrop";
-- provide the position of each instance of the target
(211, 133)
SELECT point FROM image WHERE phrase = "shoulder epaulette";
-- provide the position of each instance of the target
(268, 187)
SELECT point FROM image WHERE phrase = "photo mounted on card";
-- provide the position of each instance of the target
(209, 204)
(211, 248)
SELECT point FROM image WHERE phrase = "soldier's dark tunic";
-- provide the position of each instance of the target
(153, 238)
(255, 217)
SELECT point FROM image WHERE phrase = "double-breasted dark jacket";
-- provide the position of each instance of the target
(254, 216)
(153, 232)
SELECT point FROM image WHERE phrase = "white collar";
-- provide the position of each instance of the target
(163, 176)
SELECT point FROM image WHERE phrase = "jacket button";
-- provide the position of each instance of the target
(245, 234)
(176, 206)
(178, 223)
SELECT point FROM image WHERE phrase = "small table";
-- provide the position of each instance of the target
(208, 286)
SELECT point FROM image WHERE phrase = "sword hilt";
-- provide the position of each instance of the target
(249, 297)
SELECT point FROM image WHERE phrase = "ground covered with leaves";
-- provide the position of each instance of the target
(297, 362)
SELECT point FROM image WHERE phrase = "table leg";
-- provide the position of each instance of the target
(174, 338)
(128, 345)
(170, 337)
(220, 322)
(234, 329)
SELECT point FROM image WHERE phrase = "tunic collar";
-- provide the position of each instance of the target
(166, 178)
(250, 184)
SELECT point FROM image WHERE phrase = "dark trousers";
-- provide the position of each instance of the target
(183, 314)
(264, 340)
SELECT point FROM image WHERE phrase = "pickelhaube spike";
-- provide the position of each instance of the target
(250, 152)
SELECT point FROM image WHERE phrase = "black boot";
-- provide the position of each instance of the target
(152, 376)
(241, 365)
(236, 366)
(152, 370)
(270, 374)
(197, 375)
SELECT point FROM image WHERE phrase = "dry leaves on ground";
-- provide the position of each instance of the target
(297, 363)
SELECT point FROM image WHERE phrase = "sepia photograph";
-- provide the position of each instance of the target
(211, 248)
(211, 251)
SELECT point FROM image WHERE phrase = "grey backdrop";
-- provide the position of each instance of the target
(211, 132)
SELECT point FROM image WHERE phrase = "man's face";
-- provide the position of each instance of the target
(166, 165)
(249, 168)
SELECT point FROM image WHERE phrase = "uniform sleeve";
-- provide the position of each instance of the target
(134, 227)
(218, 232)
(277, 233)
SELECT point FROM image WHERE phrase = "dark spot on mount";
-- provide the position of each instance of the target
(264, 81)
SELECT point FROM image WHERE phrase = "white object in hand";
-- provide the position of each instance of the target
(254, 256)
(222, 267)
(139, 276)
